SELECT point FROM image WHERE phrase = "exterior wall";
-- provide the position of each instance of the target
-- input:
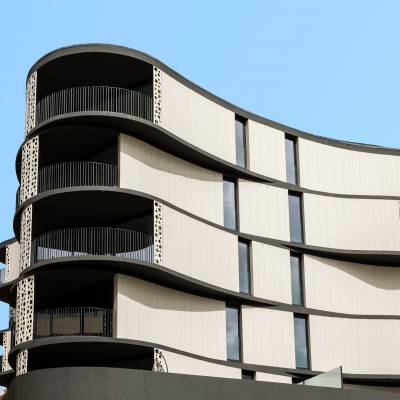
(14, 257)
(199, 250)
(149, 170)
(197, 120)
(271, 272)
(268, 337)
(154, 313)
(179, 364)
(261, 376)
(263, 210)
(332, 169)
(354, 224)
(266, 151)
(351, 288)
(360, 346)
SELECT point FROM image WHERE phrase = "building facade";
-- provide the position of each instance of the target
(170, 244)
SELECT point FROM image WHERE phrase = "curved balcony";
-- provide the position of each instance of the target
(73, 321)
(92, 241)
(94, 98)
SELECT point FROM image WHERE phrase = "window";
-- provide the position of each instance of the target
(229, 204)
(301, 340)
(291, 159)
(233, 333)
(240, 135)
(295, 217)
(296, 269)
(244, 266)
(248, 374)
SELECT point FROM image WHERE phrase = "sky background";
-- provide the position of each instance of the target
(325, 67)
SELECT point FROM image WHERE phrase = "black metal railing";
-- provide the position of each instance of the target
(72, 242)
(73, 321)
(94, 98)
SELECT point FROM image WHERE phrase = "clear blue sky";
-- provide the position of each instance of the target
(326, 67)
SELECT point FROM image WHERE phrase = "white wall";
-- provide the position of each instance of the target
(268, 337)
(361, 346)
(266, 151)
(153, 313)
(271, 272)
(261, 376)
(359, 224)
(351, 288)
(180, 364)
(199, 250)
(332, 169)
(147, 169)
(264, 210)
(197, 120)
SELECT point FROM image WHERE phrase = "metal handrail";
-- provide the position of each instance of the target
(83, 241)
(94, 98)
(73, 321)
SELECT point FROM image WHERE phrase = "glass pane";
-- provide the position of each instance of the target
(232, 333)
(229, 204)
(297, 289)
(301, 342)
(295, 217)
(291, 170)
(244, 267)
(332, 379)
(240, 133)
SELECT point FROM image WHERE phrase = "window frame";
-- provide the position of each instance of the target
(248, 244)
(299, 195)
(244, 122)
(294, 140)
(235, 198)
(307, 335)
(300, 257)
(240, 339)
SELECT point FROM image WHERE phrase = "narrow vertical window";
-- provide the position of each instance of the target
(244, 266)
(295, 217)
(291, 159)
(246, 374)
(301, 341)
(240, 136)
(296, 269)
(229, 204)
(233, 333)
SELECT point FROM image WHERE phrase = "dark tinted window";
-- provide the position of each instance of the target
(291, 159)
(297, 278)
(247, 374)
(301, 341)
(244, 266)
(233, 333)
(240, 134)
(295, 218)
(229, 204)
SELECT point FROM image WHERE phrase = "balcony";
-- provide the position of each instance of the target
(93, 241)
(94, 98)
(73, 321)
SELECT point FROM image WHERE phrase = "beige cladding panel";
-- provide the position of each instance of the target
(271, 272)
(199, 250)
(147, 169)
(332, 169)
(344, 287)
(266, 151)
(264, 210)
(197, 120)
(154, 313)
(14, 257)
(268, 337)
(180, 364)
(261, 376)
(360, 346)
(353, 224)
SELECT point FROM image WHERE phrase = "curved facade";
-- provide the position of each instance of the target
(160, 228)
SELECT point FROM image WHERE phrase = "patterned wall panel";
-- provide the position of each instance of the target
(157, 95)
(24, 311)
(158, 248)
(8, 261)
(30, 106)
(26, 238)
(22, 363)
(160, 363)
(29, 169)
(5, 366)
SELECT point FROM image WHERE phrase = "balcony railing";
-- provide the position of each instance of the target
(94, 98)
(73, 321)
(75, 173)
(72, 242)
